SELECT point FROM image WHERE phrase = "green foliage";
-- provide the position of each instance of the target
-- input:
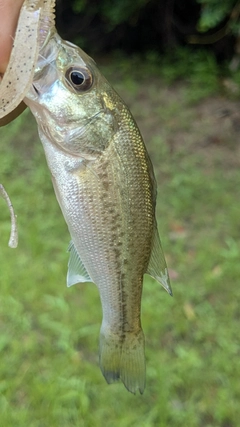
(114, 12)
(147, 24)
(49, 374)
(214, 12)
(198, 68)
(79, 5)
(117, 12)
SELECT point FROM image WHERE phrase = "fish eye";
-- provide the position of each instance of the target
(79, 78)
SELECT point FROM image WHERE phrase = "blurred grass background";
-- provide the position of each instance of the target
(49, 374)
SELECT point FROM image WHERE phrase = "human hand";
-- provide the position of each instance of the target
(9, 13)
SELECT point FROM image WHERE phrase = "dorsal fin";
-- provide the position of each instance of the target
(157, 267)
(77, 273)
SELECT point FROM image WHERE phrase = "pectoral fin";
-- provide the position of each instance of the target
(77, 273)
(157, 267)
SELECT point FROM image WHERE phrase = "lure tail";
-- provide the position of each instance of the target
(122, 358)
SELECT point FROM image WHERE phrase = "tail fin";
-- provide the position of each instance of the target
(122, 358)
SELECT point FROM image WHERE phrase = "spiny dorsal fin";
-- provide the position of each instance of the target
(157, 267)
(77, 273)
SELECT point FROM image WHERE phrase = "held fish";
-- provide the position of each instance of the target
(105, 186)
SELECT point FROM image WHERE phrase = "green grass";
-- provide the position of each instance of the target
(49, 374)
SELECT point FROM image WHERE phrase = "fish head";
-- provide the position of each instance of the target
(70, 99)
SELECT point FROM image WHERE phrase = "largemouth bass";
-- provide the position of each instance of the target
(104, 183)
